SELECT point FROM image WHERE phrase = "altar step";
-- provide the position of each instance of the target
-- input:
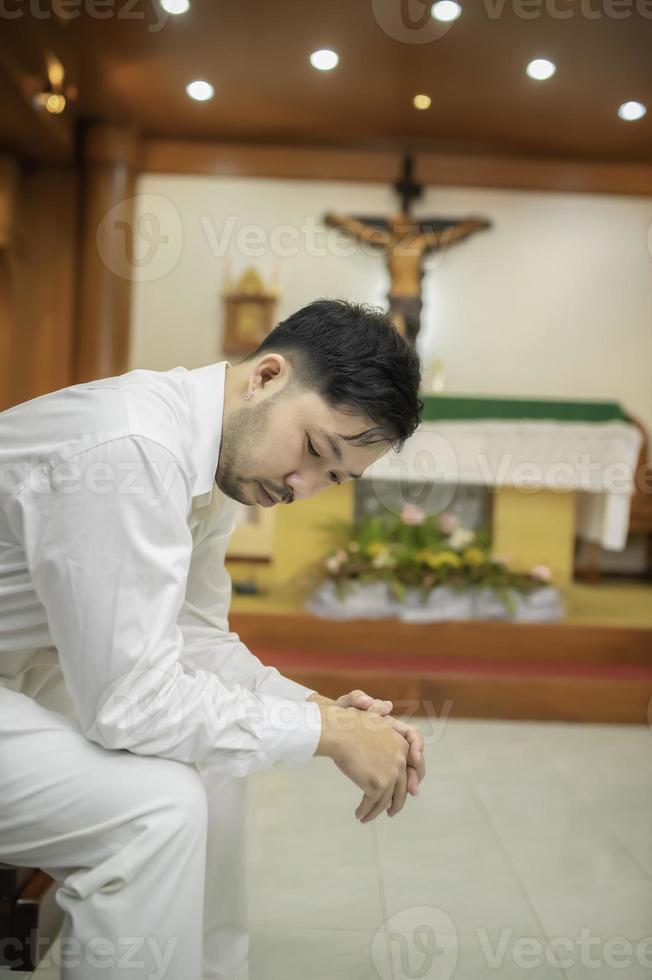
(476, 669)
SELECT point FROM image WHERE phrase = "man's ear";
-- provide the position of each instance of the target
(270, 368)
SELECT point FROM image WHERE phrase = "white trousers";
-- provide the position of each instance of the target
(148, 853)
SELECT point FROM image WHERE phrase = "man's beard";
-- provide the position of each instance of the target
(242, 436)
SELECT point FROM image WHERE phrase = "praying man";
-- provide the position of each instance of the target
(130, 714)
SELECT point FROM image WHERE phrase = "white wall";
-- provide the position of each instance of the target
(554, 300)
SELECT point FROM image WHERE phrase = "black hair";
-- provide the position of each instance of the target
(354, 357)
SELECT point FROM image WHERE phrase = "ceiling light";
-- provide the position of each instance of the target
(446, 10)
(421, 101)
(54, 95)
(540, 69)
(324, 59)
(629, 111)
(51, 102)
(55, 69)
(200, 91)
(175, 6)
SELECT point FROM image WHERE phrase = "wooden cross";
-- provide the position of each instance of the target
(406, 241)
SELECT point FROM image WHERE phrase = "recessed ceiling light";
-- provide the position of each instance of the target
(200, 91)
(446, 10)
(421, 101)
(629, 111)
(51, 102)
(324, 59)
(175, 6)
(540, 69)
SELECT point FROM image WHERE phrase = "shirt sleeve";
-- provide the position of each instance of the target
(108, 547)
(208, 641)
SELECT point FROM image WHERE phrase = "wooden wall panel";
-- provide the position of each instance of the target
(9, 178)
(103, 332)
(383, 166)
(37, 271)
(44, 261)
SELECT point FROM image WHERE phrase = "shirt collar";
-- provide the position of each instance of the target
(208, 386)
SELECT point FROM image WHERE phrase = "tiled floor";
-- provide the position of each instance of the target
(529, 844)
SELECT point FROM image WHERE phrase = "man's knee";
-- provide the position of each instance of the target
(181, 797)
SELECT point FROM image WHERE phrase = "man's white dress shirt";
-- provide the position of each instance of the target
(112, 542)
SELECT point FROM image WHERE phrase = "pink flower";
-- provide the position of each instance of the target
(448, 522)
(541, 572)
(501, 559)
(412, 514)
(335, 561)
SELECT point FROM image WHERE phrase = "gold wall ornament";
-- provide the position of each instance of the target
(249, 310)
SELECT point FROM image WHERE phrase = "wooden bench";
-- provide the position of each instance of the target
(30, 919)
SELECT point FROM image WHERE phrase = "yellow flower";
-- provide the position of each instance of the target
(377, 548)
(447, 558)
(434, 559)
(383, 560)
(474, 556)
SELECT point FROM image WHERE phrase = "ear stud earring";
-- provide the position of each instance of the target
(249, 394)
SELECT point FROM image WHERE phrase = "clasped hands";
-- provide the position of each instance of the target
(415, 762)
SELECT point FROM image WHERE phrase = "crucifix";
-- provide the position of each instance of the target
(406, 241)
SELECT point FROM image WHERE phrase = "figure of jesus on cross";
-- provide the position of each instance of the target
(406, 241)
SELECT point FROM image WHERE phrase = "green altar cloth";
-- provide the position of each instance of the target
(453, 408)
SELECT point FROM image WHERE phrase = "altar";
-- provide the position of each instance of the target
(537, 473)
(555, 470)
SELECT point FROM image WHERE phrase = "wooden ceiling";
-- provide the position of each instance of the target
(134, 66)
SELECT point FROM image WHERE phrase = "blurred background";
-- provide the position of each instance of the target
(178, 176)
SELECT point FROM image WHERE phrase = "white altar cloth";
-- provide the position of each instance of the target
(595, 460)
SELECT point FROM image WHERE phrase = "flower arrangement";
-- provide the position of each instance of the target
(413, 554)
